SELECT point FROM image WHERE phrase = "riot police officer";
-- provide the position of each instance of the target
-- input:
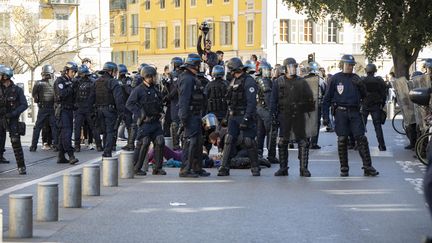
(64, 97)
(109, 103)
(145, 102)
(172, 99)
(242, 105)
(191, 105)
(345, 92)
(263, 110)
(373, 103)
(292, 98)
(12, 104)
(85, 99)
(43, 95)
(126, 84)
(215, 92)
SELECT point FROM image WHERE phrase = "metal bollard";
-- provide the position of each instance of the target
(126, 164)
(110, 171)
(47, 201)
(72, 190)
(20, 216)
(91, 180)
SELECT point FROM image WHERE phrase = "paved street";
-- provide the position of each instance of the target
(241, 208)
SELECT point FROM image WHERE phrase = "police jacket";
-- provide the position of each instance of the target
(191, 96)
(85, 93)
(291, 97)
(109, 92)
(215, 92)
(126, 84)
(43, 93)
(376, 91)
(264, 92)
(145, 102)
(12, 101)
(64, 94)
(345, 90)
(241, 96)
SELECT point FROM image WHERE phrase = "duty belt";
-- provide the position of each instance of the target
(105, 106)
(45, 106)
(347, 108)
(237, 113)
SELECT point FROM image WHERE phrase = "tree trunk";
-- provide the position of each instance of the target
(32, 108)
(401, 66)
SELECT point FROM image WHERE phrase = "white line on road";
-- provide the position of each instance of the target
(359, 191)
(185, 181)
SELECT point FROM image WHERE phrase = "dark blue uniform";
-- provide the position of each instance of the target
(109, 103)
(173, 99)
(344, 94)
(242, 107)
(191, 104)
(64, 98)
(12, 104)
(263, 111)
(145, 102)
(43, 95)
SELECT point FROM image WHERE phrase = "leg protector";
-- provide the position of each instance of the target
(142, 152)
(283, 157)
(159, 145)
(131, 138)
(18, 151)
(343, 155)
(364, 152)
(229, 143)
(175, 136)
(304, 158)
(251, 147)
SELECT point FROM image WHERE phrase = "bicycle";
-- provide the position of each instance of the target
(424, 139)
(397, 125)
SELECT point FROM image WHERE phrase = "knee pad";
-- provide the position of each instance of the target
(15, 139)
(342, 140)
(249, 142)
(362, 139)
(160, 140)
(174, 126)
(303, 143)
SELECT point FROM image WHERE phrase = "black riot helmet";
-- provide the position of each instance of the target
(148, 71)
(218, 71)
(176, 62)
(420, 96)
(141, 66)
(122, 69)
(348, 58)
(371, 68)
(83, 70)
(71, 66)
(47, 69)
(290, 65)
(110, 66)
(265, 70)
(235, 64)
(193, 60)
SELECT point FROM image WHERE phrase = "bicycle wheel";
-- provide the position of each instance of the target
(397, 125)
(420, 147)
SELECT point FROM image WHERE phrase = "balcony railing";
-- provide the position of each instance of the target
(64, 2)
(118, 5)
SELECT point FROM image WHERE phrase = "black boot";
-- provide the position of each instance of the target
(283, 158)
(130, 146)
(32, 148)
(271, 156)
(304, 158)
(158, 156)
(252, 151)
(363, 145)
(72, 159)
(61, 159)
(343, 155)
(411, 133)
(225, 166)
(3, 160)
(77, 148)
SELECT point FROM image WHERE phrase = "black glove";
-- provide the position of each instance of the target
(244, 124)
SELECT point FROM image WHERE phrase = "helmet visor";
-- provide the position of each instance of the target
(210, 121)
(291, 70)
(266, 73)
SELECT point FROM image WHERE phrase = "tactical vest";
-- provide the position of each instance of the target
(264, 86)
(290, 95)
(84, 90)
(236, 97)
(152, 103)
(197, 100)
(8, 99)
(216, 96)
(104, 96)
(45, 94)
(374, 91)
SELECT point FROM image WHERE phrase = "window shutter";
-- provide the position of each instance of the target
(301, 30)
(325, 31)
(340, 35)
(317, 35)
(293, 30)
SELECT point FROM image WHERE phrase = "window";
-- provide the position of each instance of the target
(112, 27)
(191, 35)
(332, 31)
(4, 24)
(61, 16)
(162, 4)
(147, 5)
(132, 1)
(209, 1)
(123, 26)
(308, 30)
(177, 3)
(147, 38)
(177, 36)
(162, 37)
(134, 58)
(225, 33)
(284, 30)
(250, 4)
(226, 1)
(210, 34)
(116, 57)
(250, 32)
(134, 24)
(193, 2)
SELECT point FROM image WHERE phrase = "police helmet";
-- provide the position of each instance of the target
(193, 60)
(265, 69)
(250, 67)
(428, 63)
(210, 121)
(122, 69)
(348, 59)
(110, 66)
(218, 71)
(47, 69)
(313, 67)
(420, 96)
(148, 71)
(290, 65)
(416, 73)
(71, 66)
(6, 72)
(176, 62)
(235, 64)
(289, 61)
(141, 66)
(371, 68)
(83, 70)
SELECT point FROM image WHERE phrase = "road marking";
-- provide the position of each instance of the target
(30, 164)
(411, 167)
(184, 210)
(380, 207)
(330, 179)
(359, 191)
(417, 183)
(185, 181)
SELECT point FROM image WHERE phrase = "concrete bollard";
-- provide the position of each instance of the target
(72, 190)
(20, 216)
(47, 201)
(91, 180)
(126, 164)
(110, 171)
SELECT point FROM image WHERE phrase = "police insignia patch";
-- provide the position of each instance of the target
(60, 86)
(340, 88)
(251, 89)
